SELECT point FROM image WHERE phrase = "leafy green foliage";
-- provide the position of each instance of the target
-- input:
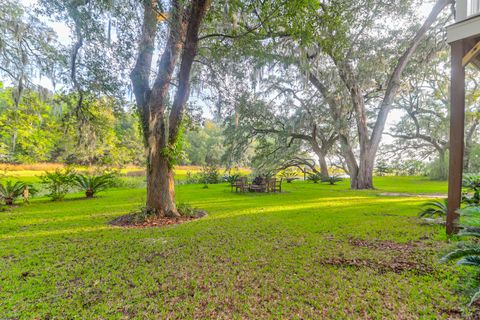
(231, 178)
(333, 180)
(467, 255)
(434, 209)
(186, 210)
(472, 183)
(9, 191)
(289, 175)
(315, 177)
(58, 183)
(45, 127)
(210, 174)
(93, 184)
(204, 145)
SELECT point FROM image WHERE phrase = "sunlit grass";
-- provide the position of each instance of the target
(254, 256)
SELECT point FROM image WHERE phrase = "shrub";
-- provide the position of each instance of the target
(289, 175)
(209, 174)
(434, 209)
(92, 184)
(186, 210)
(467, 255)
(11, 191)
(333, 180)
(231, 178)
(58, 183)
(315, 177)
(191, 178)
(472, 183)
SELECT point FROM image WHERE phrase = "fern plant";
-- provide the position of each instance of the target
(11, 191)
(289, 175)
(333, 180)
(94, 184)
(434, 209)
(472, 183)
(468, 255)
(315, 177)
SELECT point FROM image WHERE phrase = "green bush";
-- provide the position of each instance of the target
(289, 175)
(467, 254)
(93, 184)
(315, 177)
(472, 184)
(231, 178)
(186, 210)
(10, 191)
(58, 183)
(434, 209)
(209, 175)
(192, 178)
(333, 180)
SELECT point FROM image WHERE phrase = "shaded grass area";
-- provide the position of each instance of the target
(315, 251)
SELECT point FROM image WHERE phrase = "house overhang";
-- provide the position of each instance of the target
(464, 29)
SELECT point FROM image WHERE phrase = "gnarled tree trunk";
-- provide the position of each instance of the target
(161, 128)
(322, 161)
(369, 142)
(161, 186)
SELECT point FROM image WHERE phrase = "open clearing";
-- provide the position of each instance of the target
(312, 251)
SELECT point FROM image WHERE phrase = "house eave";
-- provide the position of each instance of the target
(464, 29)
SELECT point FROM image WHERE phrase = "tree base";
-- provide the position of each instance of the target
(146, 218)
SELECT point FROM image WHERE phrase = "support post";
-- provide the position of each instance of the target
(457, 133)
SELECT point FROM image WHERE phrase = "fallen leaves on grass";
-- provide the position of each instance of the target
(128, 221)
(396, 266)
(405, 257)
(386, 245)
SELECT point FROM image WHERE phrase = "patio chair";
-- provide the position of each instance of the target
(240, 184)
(275, 185)
(259, 184)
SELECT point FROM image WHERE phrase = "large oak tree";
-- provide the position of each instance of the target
(161, 121)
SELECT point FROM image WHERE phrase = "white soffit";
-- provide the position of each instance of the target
(464, 29)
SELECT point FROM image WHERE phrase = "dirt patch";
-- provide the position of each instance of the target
(398, 266)
(417, 195)
(387, 245)
(133, 221)
(402, 257)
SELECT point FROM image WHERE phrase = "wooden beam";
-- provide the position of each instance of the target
(457, 135)
(471, 54)
(162, 17)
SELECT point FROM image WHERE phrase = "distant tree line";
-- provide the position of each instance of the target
(43, 127)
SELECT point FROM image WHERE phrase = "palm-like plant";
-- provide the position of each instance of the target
(315, 177)
(94, 184)
(289, 175)
(472, 182)
(467, 255)
(231, 178)
(333, 180)
(11, 191)
(434, 209)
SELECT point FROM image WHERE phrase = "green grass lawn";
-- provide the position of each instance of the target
(315, 251)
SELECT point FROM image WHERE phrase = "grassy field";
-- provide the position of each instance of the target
(314, 251)
(31, 173)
